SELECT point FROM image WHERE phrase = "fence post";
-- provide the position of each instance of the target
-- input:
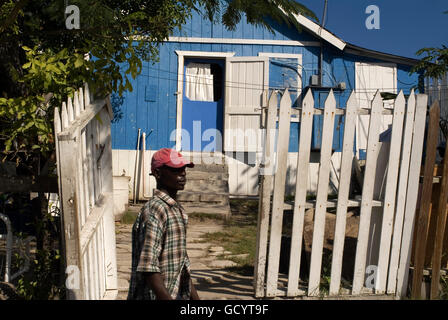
(69, 202)
(367, 194)
(279, 194)
(303, 159)
(390, 193)
(412, 192)
(401, 194)
(422, 215)
(343, 193)
(265, 197)
(441, 222)
(322, 195)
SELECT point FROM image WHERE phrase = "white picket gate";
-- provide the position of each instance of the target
(84, 163)
(396, 205)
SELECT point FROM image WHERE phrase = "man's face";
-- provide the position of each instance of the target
(171, 178)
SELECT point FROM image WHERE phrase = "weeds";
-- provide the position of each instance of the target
(129, 217)
(239, 235)
(444, 284)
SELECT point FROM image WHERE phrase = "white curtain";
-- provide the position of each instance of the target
(199, 82)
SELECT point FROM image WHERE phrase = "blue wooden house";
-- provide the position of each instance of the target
(210, 83)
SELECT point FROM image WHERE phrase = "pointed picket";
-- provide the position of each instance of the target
(70, 111)
(81, 99)
(343, 192)
(266, 172)
(412, 192)
(303, 159)
(86, 95)
(322, 195)
(64, 117)
(401, 193)
(390, 193)
(57, 121)
(279, 194)
(76, 109)
(367, 193)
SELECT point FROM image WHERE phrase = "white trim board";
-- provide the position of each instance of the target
(245, 41)
(320, 32)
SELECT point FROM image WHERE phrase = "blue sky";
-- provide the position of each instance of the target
(405, 25)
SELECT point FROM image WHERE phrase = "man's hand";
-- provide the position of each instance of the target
(193, 294)
(155, 282)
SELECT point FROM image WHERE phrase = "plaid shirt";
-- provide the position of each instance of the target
(159, 245)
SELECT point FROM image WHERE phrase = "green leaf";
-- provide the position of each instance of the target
(79, 61)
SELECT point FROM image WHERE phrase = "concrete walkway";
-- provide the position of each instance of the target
(211, 279)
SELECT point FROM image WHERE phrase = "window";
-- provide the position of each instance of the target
(203, 81)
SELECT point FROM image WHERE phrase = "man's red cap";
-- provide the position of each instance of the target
(169, 157)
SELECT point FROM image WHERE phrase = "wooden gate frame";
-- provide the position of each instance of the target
(398, 205)
(84, 164)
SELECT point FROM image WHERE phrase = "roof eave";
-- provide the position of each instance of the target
(326, 35)
(320, 32)
(352, 49)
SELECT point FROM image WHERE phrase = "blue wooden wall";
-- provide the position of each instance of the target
(151, 106)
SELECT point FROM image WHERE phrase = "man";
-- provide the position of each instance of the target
(160, 264)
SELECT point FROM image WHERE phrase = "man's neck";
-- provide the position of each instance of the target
(171, 193)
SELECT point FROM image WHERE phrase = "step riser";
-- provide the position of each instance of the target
(195, 198)
(206, 190)
(203, 175)
(206, 187)
(212, 168)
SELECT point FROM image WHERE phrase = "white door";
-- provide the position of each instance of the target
(370, 77)
(247, 82)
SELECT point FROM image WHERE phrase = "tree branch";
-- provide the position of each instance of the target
(13, 15)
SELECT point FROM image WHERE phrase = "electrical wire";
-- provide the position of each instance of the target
(255, 86)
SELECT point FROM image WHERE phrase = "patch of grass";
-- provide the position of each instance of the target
(239, 235)
(129, 217)
(201, 216)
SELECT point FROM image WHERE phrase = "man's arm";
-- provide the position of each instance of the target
(155, 282)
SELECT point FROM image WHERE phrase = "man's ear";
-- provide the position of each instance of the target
(156, 173)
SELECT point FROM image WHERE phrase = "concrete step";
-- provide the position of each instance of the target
(211, 168)
(207, 175)
(218, 186)
(212, 209)
(207, 189)
(185, 197)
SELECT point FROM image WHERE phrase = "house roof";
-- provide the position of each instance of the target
(334, 40)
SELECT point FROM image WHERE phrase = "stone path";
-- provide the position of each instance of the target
(211, 279)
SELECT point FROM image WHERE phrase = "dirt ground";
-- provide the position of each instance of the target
(351, 235)
(245, 213)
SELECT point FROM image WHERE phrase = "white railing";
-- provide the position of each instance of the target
(386, 217)
(84, 162)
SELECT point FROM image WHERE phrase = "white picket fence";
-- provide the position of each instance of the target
(84, 164)
(394, 209)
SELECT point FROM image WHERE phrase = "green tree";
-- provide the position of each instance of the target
(434, 63)
(42, 62)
